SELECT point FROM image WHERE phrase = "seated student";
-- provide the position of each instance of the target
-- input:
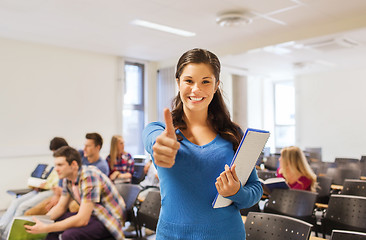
(90, 156)
(31, 199)
(101, 206)
(296, 170)
(91, 153)
(120, 162)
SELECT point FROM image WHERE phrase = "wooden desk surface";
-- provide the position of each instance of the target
(321, 205)
(336, 187)
(316, 238)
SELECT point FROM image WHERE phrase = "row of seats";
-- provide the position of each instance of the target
(147, 213)
(263, 226)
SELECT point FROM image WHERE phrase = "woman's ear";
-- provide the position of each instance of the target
(217, 85)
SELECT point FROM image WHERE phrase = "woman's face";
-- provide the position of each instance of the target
(120, 146)
(197, 86)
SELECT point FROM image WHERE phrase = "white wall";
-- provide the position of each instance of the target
(48, 91)
(331, 113)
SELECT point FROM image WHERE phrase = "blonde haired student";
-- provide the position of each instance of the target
(192, 151)
(296, 170)
(120, 162)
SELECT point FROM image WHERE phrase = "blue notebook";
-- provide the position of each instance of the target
(245, 158)
(272, 183)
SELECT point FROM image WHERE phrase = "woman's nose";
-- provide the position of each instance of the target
(195, 88)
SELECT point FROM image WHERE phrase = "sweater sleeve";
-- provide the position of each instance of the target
(150, 133)
(249, 194)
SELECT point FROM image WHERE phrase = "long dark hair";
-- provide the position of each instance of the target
(218, 114)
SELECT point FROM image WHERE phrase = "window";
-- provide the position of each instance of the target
(284, 110)
(133, 108)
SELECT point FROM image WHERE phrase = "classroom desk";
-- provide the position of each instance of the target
(321, 205)
(336, 187)
(19, 192)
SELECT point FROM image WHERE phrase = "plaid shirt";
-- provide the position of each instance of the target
(108, 204)
(125, 163)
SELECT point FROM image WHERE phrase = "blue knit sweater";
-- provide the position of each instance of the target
(188, 189)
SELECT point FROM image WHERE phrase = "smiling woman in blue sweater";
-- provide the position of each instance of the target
(192, 150)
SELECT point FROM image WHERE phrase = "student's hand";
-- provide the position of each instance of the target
(39, 227)
(166, 145)
(228, 184)
(42, 185)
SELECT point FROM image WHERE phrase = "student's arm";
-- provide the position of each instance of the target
(60, 208)
(54, 199)
(302, 183)
(79, 220)
(125, 175)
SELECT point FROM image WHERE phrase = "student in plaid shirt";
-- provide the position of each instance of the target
(101, 206)
(120, 162)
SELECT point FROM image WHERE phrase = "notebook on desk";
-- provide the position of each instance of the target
(245, 158)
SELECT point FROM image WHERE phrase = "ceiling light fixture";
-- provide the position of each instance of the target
(233, 19)
(163, 28)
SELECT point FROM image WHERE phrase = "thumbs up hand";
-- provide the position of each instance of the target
(166, 145)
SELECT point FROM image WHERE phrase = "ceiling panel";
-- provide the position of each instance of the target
(104, 26)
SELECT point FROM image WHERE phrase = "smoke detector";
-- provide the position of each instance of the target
(233, 19)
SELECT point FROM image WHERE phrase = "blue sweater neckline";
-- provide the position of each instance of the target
(198, 146)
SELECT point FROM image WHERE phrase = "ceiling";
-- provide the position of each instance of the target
(291, 27)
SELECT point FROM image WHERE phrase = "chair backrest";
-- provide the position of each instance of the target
(354, 187)
(324, 184)
(291, 202)
(345, 212)
(315, 153)
(272, 162)
(129, 193)
(264, 226)
(262, 174)
(363, 165)
(148, 213)
(347, 235)
(339, 174)
(139, 173)
(341, 161)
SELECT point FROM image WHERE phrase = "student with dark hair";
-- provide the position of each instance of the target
(27, 201)
(89, 156)
(91, 152)
(192, 151)
(57, 142)
(101, 206)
